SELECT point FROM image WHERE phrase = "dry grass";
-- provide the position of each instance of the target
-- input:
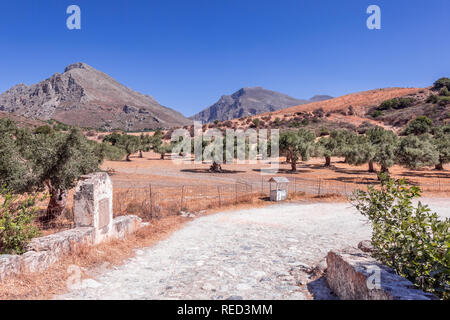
(44, 285)
(94, 259)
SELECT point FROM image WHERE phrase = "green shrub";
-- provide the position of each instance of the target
(294, 124)
(376, 114)
(256, 122)
(410, 239)
(396, 103)
(441, 83)
(45, 129)
(323, 132)
(432, 99)
(419, 126)
(16, 222)
(444, 92)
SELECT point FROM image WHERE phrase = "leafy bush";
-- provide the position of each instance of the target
(376, 114)
(444, 92)
(432, 99)
(323, 132)
(441, 83)
(45, 129)
(411, 240)
(419, 126)
(396, 103)
(16, 222)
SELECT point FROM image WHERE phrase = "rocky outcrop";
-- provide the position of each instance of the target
(87, 97)
(354, 275)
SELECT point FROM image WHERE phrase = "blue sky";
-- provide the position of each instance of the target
(188, 53)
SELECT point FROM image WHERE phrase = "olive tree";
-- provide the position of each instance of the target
(297, 145)
(441, 141)
(57, 161)
(415, 152)
(54, 161)
(361, 151)
(326, 147)
(129, 143)
(385, 144)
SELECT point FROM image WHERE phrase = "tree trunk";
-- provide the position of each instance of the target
(140, 154)
(439, 166)
(288, 157)
(327, 161)
(128, 157)
(57, 203)
(293, 165)
(162, 156)
(371, 168)
(384, 169)
(215, 167)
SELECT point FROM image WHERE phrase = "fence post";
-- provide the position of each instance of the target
(151, 202)
(182, 197)
(295, 185)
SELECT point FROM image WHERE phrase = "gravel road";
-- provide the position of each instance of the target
(248, 254)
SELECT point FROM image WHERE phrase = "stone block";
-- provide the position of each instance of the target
(9, 265)
(352, 275)
(125, 225)
(63, 242)
(93, 204)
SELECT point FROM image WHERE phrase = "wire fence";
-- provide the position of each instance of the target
(155, 201)
(160, 200)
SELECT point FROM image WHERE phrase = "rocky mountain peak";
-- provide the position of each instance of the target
(78, 65)
(87, 97)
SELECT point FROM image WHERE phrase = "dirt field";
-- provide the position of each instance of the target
(141, 172)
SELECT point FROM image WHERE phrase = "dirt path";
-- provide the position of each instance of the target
(248, 254)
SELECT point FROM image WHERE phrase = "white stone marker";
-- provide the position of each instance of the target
(93, 204)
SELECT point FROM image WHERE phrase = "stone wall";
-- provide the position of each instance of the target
(94, 223)
(354, 275)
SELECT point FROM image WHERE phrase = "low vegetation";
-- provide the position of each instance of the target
(410, 239)
(16, 222)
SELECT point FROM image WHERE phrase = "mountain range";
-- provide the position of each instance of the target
(86, 97)
(250, 101)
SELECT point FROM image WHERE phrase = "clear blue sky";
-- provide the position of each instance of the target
(188, 53)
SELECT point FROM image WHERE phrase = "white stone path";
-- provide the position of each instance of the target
(249, 254)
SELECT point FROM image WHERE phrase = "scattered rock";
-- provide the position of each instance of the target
(365, 246)
(234, 298)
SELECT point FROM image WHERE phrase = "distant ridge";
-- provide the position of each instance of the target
(245, 102)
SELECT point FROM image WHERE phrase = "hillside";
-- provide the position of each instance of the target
(86, 97)
(353, 111)
(246, 102)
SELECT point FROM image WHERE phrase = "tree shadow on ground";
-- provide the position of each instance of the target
(321, 166)
(435, 174)
(280, 170)
(366, 181)
(206, 170)
(355, 171)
